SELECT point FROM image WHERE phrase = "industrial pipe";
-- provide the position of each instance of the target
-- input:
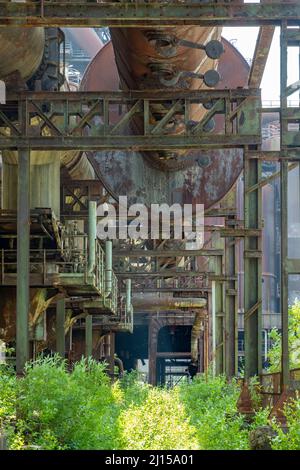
(108, 267)
(196, 329)
(120, 366)
(128, 295)
(148, 303)
(92, 235)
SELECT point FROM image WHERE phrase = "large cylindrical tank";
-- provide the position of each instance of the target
(203, 177)
(21, 51)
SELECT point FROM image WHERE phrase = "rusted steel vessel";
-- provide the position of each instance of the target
(194, 177)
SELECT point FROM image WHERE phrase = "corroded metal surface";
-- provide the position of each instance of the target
(127, 173)
(73, 13)
(148, 59)
(21, 51)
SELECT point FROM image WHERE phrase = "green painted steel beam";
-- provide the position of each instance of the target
(60, 327)
(133, 14)
(57, 112)
(130, 143)
(88, 335)
(217, 308)
(23, 231)
(252, 269)
(284, 276)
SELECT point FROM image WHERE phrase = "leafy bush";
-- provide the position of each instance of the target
(83, 410)
(211, 405)
(289, 440)
(61, 410)
(274, 354)
(158, 423)
(7, 400)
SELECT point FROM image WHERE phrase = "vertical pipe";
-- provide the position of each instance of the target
(213, 325)
(128, 296)
(285, 375)
(88, 335)
(60, 327)
(23, 247)
(252, 269)
(92, 235)
(108, 267)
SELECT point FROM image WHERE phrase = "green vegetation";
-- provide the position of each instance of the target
(294, 341)
(82, 410)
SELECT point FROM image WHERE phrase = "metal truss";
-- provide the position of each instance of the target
(140, 120)
(135, 14)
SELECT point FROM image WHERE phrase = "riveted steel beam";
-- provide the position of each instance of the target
(23, 232)
(261, 53)
(58, 120)
(133, 14)
(252, 267)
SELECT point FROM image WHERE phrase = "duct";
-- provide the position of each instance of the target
(108, 267)
(120, 366)
(193, 178)
(195, 334)
(21, 52)
(128, 296)
(92, 235)
(145, 303)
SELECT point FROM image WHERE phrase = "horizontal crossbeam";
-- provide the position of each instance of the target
(127, 120)
(133, 14)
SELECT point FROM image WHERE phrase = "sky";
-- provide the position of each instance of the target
(245, 43)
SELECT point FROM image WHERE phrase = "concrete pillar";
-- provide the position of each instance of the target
(23, 246)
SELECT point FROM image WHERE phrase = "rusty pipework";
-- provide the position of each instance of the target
(148, 303)
(175, 57)
(193, 178)
(197, 327)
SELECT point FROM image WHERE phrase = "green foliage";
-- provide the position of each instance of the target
(57, 409)
(61, 410)
(274, 354)
(211, 405)
(160, 422)
(7, 400)
(289, 440)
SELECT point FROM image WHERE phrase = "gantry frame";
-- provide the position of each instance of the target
(284, 15)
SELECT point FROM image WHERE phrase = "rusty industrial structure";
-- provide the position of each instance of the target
(161, 109)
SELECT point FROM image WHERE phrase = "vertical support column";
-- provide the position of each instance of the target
(88, 336)
(92, 234)
(152, 351)
(217, 300)
(231, 309)
(112, 354)
(108, 267)
(60, 327)
(23, 247)
(284, 277)
(252, 267)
